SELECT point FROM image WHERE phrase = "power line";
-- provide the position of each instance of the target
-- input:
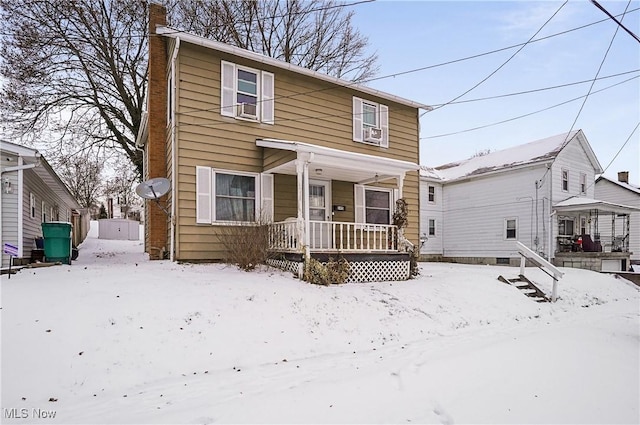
(615, 20)
(604, 58)
(621, 148)
(525, 115)
(504, 63)
(538, 90)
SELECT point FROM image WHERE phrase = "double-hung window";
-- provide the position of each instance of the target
(432, 227)
(373, 205)
(583, 183)
(565, 227)
(370, 122)
(44, 212)
(247, 93)
(565, 180)
(432, 193)
(511, 228)
(224, 196)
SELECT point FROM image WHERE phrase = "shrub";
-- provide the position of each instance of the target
(246, 245)
(335, 271)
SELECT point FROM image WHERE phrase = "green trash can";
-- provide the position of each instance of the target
(57, 241)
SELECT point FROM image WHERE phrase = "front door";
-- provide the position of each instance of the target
(320, 214)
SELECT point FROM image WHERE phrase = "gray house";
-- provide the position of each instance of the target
(32, 193)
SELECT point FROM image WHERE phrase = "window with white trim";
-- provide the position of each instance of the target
(510, 228)
(224, 196)
(370, 122)
(565, 226)
(432, 194)
(432, 227)
(247, 93)
(583, 183)
(373, 205)
(32, 205)
(565, 180)
(43, 212)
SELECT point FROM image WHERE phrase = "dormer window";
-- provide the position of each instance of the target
(370, 123)
(246, 93)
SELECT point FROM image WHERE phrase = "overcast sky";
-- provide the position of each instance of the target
(414, 34)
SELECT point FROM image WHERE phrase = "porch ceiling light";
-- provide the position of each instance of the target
(319, 171)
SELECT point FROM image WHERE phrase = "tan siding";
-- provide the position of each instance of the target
(306, 110)
(285, 202)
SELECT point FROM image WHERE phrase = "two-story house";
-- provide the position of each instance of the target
(240, 135)
(540, 193)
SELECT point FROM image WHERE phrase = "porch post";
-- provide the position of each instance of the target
(299, 219)
(305, 194)
(400, 182)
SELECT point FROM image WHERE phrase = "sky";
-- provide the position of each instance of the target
(408, 35)
(117, 339)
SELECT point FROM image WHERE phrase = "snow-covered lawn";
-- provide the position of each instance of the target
(115, 338)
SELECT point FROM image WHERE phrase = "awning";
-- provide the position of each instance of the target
(338, 164)
(576, 204)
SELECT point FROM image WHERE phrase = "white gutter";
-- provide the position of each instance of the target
(174, 155)
(236, 51)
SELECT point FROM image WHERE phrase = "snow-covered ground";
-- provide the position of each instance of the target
(115, 338)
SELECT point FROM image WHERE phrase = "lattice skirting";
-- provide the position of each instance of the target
(378, 271)
(360, 271)
(294, 267)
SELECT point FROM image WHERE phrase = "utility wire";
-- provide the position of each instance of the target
(525, 115)
(621, 148)
(304, 118)
(604, 58)
(615, 20)
(503, 64)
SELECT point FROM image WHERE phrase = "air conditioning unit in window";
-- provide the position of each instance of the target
(247, 110)
(373, 135)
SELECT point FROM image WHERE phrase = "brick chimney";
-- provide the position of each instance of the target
(623, 176)
(155, 150)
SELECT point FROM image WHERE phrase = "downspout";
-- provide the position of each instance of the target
(551, 214)
(174, 155)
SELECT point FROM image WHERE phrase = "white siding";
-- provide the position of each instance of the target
(431, 210)
(9, 206)
(32, 227)
(611, 192)
(475, 211)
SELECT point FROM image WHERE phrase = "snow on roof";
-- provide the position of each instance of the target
(576, 203)
(529, 153)
(429, 173)
(627, 186)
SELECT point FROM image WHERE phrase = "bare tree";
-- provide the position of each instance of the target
(314, 34)
(75, 70)
(82, 173)
(120, 186)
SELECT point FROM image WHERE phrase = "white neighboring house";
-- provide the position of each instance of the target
(622, 192)
(32, 193)
(540, 193)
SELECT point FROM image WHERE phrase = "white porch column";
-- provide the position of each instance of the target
(300, 217)
(400, 182)
(305, 194)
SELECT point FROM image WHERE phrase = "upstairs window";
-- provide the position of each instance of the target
(247, 93)
(565, 180)
(370, 123)
(583, 183)
(432, 194)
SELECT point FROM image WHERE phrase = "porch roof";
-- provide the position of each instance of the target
(575, 204)
(339, 164)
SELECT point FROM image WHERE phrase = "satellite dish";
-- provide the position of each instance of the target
(154, 188)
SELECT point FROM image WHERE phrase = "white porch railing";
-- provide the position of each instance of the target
(328, 236)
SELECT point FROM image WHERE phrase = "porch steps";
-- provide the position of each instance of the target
(526, 287)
